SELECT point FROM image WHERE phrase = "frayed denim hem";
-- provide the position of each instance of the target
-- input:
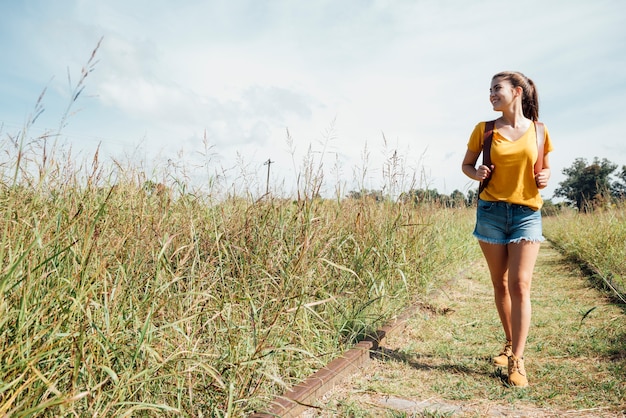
(507, 241)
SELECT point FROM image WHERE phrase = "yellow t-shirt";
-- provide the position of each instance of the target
(513, 178)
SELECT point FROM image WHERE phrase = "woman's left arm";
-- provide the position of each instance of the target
(542, 177)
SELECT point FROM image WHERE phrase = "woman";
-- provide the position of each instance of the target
(508, 220)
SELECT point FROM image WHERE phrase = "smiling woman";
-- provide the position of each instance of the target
(508, 220)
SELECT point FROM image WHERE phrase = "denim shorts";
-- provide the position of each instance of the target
(505, 223)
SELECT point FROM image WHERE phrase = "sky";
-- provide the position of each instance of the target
(377, 94)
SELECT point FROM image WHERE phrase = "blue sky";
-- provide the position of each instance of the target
(351, 80)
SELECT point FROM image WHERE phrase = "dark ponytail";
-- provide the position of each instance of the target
(530, 98)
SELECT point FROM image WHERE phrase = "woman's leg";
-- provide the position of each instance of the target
(497, 257)
(521, 262)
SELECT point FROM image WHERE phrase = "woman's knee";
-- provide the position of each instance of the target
(500, 284)
(520, 288)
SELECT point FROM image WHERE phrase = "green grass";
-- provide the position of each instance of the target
(575, 353)
(596, 241)
(122, 296)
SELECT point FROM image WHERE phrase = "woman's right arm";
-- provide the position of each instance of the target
(469, 162)
(469, 167)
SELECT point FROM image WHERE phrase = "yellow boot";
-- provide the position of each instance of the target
(517, 372)
(502, 360)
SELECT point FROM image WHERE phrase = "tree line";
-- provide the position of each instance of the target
(587, 186)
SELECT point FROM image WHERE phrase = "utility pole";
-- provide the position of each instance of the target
(268, 163)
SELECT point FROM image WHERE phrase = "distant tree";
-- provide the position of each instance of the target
(420, 196)
(457, 199)
(354, 194)
(586, 186)
(472, 197)
(376, 195)
(428, 196)
(619, 187)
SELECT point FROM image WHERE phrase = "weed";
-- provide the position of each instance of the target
(122, 295)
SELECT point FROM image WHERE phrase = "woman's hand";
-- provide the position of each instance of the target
(483, 172)
(541, 178)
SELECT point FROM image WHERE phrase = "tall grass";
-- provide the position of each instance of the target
(122, 296)
(596, 240)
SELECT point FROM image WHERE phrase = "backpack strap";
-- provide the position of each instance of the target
(487, 138)
(541, 139)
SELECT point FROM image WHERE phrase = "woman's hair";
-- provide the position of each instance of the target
(530, 99)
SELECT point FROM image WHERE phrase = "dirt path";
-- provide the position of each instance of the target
(439, 364)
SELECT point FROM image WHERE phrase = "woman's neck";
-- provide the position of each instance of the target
(514, 120)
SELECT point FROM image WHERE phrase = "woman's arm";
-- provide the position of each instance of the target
(469, 167)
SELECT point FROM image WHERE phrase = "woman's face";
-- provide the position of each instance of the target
(502, 93)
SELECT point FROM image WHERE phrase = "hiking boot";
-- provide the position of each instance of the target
(517, 372)
(502, 360)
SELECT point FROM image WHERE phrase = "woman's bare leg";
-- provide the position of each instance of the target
(497, 257)
(521, 259)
